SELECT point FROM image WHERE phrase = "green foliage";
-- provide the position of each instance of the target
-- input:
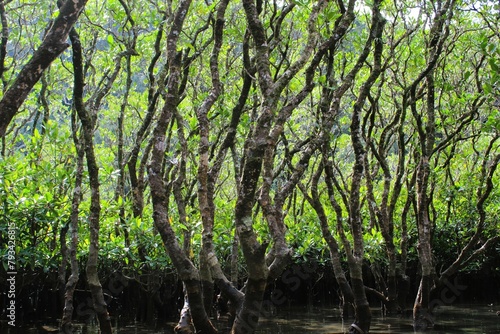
(35, 195)
(305, 236)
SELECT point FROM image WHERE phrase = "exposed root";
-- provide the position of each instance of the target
(183, 330)
(355, 329)
(185, 325)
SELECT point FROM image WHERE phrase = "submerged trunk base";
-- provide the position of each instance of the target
(423, 319)
(355, 329)
(185, 325)
(423, 324)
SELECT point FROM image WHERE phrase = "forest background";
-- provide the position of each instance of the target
(230, 145)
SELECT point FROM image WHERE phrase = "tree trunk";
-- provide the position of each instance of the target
(61, 274)
(185, 324)
(361, 306)
(185, 268)
(95, 207)
(347, 296)
(66, 321)
(355, 258)
(422, 314)
(261, 141)
(423, 318)
(207, 178)
(248, 316)
(207, 283)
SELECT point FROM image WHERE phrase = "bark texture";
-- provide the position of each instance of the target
(422, 312)
(185, 324)
(258, 160)
(88, 125)
(66, 320)
(185, 268)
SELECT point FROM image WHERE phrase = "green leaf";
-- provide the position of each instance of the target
(493, 64)
(487, 88)
(467, 75)
(492, 47)
(49, 196)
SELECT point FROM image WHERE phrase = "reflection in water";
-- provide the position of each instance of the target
(470, 319)
(467, 319)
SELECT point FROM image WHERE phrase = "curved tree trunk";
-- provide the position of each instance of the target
(185, 268)
(422, 312)
(347, 296)
(185, 324)
(356, 257)
(66, 321)
(95, 208)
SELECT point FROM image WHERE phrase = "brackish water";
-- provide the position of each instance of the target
(467, 319)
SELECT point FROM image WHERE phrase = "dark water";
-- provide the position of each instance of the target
(469, 319)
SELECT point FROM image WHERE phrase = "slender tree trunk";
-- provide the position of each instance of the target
(3, 46)
(185, 324)
(66, 321)
(120, 184)
(403, 279)
(422, 312)
(95, 208)
(185, 268)
(207, 178)
(254, 252)
(356, 257)
(259, 147)
(391, 305)
(137, 183)
(248, 315)
(347, 296)
(328, 114)
(61, 274)
(361, 305)
(423, 319)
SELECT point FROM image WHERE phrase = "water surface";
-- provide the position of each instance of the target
(469, 319)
